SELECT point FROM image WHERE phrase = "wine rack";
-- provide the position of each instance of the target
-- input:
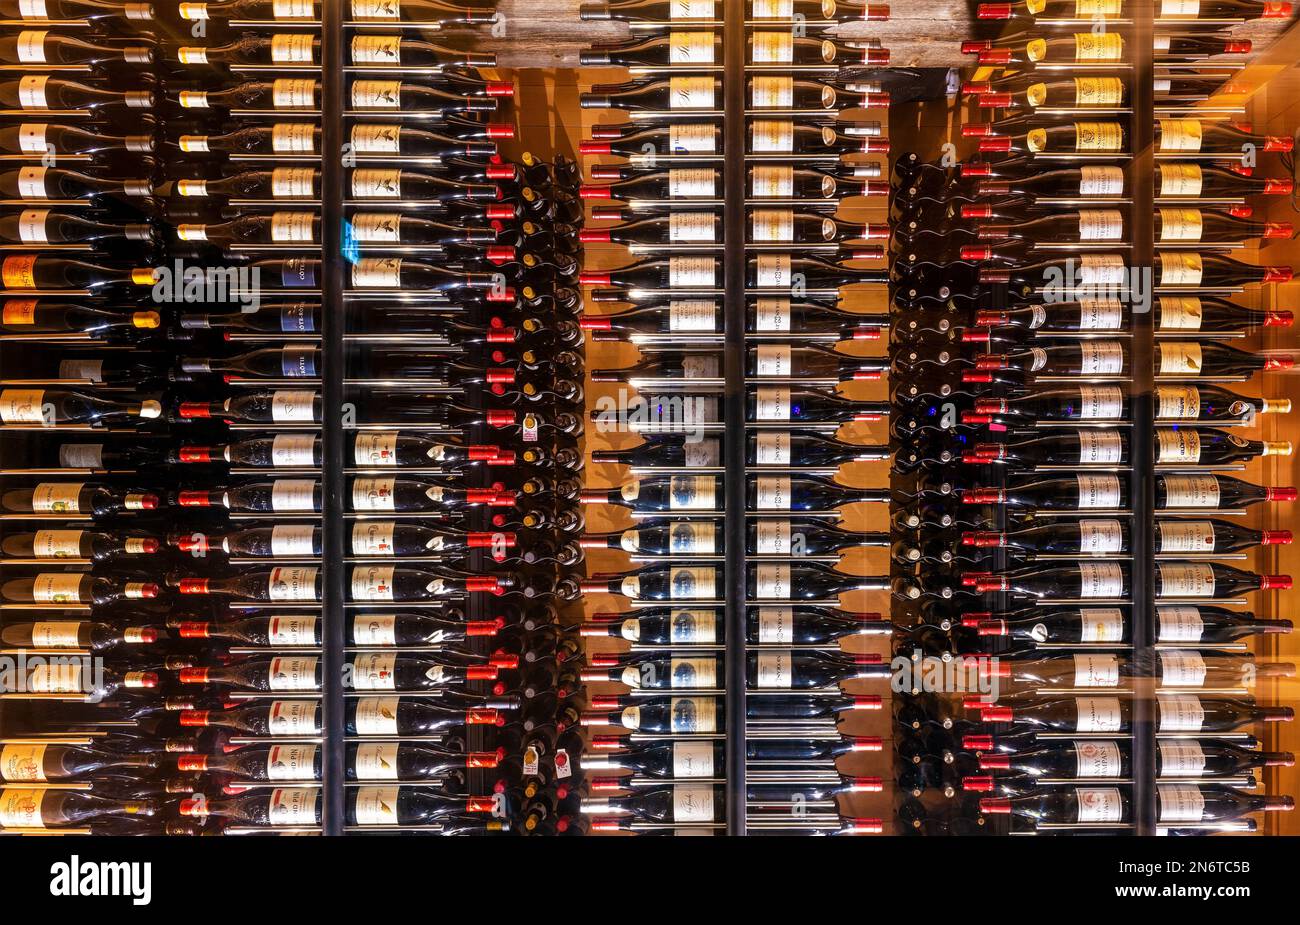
(780, 466)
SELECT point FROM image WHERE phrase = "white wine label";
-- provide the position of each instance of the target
(56, 634)
(1100, 804)
(1177, 445)
(1097, 759)
(293, 138)
(1179, 713)
(373, 227)
(692, 315)
(377, 716)
(377, 273)
(1191, 491)
(292, 674)
(1096, 671)
(772, 136)
(292, 717)
(32, 9)
(292, 405)
(377, 94)
(292, 584)
(772, 403)
(57, 498)
(1181, 758)
(293, 540)
(772, 225)
(1180, 803)
(1101, 225)
(690, 47)
(692, 183)
(1100, 402)
(291, 762)
(775, 670)
(772, 537)
(293, 450)
(1180, 134)
(31, 226)
(1180, 224)
(1099, 714)
(1180, 313)
(1101, 270)
(1178, 402)
(1178, 268)
(376, 139)
(371, 494)
(1100, 537)
(772, 448)
(772, 315)
(27, 762)
(1185, 180)
(293, 806)
(377, 183)
(1185, 535)
(1098, 136)
(773, 581)
(31, 46)
(776, 626)
(692, 759)
(293, 182)
(1179, 624)
(377, 49)
(373, 538)
(1098, 491)
(691, 93)
(1101, 358)
(57, 544)
(1098, 46)
(1182, 669)
(1100, 91)
(772, 181)
(32, 135)
(692, 803)
(692, 272)
(374, 671)
(772, 271)
(692, 493)
(691, 537)
(376, 805)
(1100, 580)
(31, 185)
(292, 227)
(31, 94)
(22, 406)
(374, 629)
(291, 631)
(1180, 358)
(293, 495)
(59, 677)
(687, 583)
(1101, 314)
(372, 583)
(376, 761)
(21, 809)
(375, 449)
(1101, 624)
(57, 588)
(774, 360)
(692, 138)
(772, 493)
(1185, 579)
(692, 227)
(292, 48)
(773, 48)
(704, 452)
(774, 92)
(693, 673)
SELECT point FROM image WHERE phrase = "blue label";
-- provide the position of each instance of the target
(297, 319)
(298, 273)
(298, 362)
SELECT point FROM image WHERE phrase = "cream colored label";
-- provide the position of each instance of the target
(1096, 671)
(292, 405)
(57, 588)
(771, 92)
(776, 626)
(1181, 180)
(1100, 537)
(1101, 181)
(692, 493)
(1101, 225)
(772, 271)
(292, 717)
(22, 763)
(373, 494)
(1097, 759)
(374, 629)
(1099, 714)
(691, 93)
(1185, 535)
(772, 181)
(376, 761)
(292, 584)
(690, 47)
(1100, 804)
(373, 538)
(293, 182)
(292, 674)
(372, 583)
(772, 448)
(293, 540)
(294, 48)
(692, 183)
(1100, 580)
(292, 227)
(1185, 579)
(1180, 313)
(374, 671)
(771, 136)
(21, 809)
(772, 537)
(692, 138)
(773, 581)
(1098, 491)
(22, 406)
(377, 49)
(1182, 669)
(376, 139)
(1101, 624)
(1180, 224)
(1180, 134)
(377, 273)
(1100, 447)
(377, 716)
(1180, 358)
(293, 495)
(55, 634)
(376, 94)
(692, 272)
(1181, 758)
(773, 48)
(57, 544)
(377, 805)
(1178, 445)
(31, 93)
(692, 759)
(1180, 624)
(692, 227)
(1179, 713)
(291, 631)
(1191, 491)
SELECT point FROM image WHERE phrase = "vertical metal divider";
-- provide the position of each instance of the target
(333, 326)
(733, 224)
(1142, 488)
